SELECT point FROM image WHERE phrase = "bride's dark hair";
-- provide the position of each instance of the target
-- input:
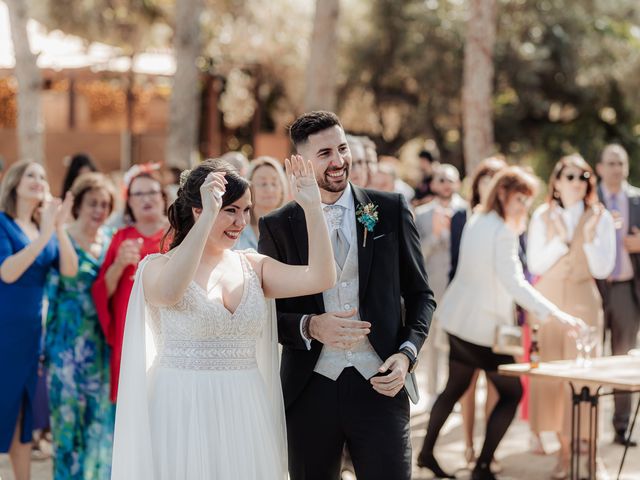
(180, 214)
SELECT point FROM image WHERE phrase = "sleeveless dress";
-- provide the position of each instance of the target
(212, 414)
(571, 287)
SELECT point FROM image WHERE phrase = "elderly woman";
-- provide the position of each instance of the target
(269, 191)
(146, 207)
(572, 241)
(76, 349)
(481, 297)
(32, 243)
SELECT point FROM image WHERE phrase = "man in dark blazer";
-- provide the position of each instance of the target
(621, 291)
(347, 351)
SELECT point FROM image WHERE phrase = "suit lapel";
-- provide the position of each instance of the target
(301, 238)
(365, 253)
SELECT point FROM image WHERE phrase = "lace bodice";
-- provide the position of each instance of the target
(201, 334)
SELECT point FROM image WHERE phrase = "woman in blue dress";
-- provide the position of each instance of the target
(77, 355)
(32, 242)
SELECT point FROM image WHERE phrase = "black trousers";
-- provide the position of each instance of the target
(329, 414)
(464, 359)
(622, 315)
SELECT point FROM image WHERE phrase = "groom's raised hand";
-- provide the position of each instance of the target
(336, 330)
(397, 365)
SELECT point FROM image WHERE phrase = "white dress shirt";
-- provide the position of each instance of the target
(542, 253)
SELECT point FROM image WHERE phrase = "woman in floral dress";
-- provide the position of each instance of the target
(82, 417)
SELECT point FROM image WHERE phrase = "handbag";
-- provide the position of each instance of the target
(508, 340)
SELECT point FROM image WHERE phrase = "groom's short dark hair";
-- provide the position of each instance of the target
(310, 123)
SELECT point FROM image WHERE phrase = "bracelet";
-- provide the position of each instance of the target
(305, 327)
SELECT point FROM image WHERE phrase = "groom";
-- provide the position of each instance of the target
(347, 350)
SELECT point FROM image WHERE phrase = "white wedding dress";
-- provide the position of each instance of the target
(199, 395)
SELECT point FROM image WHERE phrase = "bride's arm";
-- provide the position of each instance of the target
(166, 278)
(280, 280)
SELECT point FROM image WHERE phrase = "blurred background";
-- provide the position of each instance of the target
(543, 78)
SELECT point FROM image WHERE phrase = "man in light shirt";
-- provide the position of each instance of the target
(621, 291)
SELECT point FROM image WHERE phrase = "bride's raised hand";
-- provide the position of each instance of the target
(211, 192)
(302, 180)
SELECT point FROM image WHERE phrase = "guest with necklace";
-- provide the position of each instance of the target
(146, 208)
(77, 354)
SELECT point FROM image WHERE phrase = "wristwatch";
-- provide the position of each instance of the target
(413, 360)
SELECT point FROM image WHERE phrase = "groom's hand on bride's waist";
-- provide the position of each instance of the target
(396, 368)
(335, 329)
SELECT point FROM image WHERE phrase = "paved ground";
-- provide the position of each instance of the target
(514, 454)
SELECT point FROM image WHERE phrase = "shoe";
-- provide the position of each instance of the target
(535, 445)
(431, 463)
(620, 439)
(482, 472)
(559, 473)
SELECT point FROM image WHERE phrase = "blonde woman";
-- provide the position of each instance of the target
(32, 243)
(268, 191)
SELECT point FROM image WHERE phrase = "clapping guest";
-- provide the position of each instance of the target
(82, 416)
(433, 220)
(571, 241)
(480, 183)
(32, 243)
(482, 296)
(621, 290)
(146, 207)
(269, 191)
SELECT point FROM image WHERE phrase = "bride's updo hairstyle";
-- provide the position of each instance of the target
(180, 212)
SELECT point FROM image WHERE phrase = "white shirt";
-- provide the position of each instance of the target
(348, 226)
(542, 254)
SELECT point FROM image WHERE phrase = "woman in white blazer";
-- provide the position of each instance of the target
(487, 285)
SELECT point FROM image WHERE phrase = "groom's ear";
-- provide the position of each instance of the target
(196, 212)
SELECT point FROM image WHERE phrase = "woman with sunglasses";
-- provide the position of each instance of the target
(146, 209)
(571, 241)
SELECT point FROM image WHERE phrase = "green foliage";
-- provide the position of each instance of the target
(566, 76)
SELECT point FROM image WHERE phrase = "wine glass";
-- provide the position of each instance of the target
(589, 342)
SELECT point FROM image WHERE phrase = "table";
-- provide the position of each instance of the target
(621, 372)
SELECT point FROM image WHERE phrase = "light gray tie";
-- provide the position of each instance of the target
(339, 241)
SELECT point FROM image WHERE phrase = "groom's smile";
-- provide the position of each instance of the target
(331, 157)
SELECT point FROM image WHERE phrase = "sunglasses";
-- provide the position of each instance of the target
(583, 177)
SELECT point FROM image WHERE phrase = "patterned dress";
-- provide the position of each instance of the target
(82, 417)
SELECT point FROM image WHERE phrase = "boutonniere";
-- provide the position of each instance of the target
(367, 215)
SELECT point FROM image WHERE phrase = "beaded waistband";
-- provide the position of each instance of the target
(220, 354)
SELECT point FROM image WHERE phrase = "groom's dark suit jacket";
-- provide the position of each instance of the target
(391, 269)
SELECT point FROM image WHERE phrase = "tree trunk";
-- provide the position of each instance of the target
(320, 93)
(184, 114)
(477, 90)
(30, 123)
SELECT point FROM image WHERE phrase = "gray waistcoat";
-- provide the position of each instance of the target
(344, 296)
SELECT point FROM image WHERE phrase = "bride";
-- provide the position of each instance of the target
(199, 394)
